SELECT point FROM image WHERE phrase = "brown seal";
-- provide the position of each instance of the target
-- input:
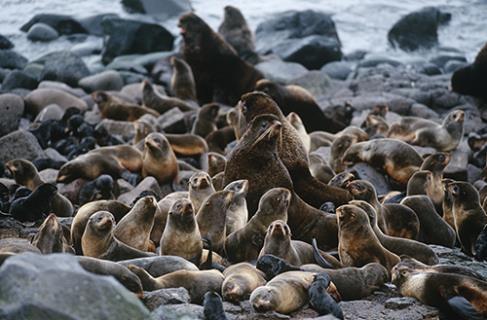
(196, 282)
(396, 158)
(50, 237)
(117, 208)
(469, 217)
(158, 159)
(200, 188)
(436, 164)
(220, 74)
(399, 246)
(160, 104)
(240, 280)
(182, 80)
(237, 214)
(219, 139)
(142, 130)
(187, 145)
(298, 124)
(426, 133)
(338, 148)
(358, 244)
(324, 139)
(181, 236)
(468, 80)
(246, 243)
(135, 227)
(320, 169)
(98, 240)
(278, 243)
(375, 126)
(447, 204)
(117, 109)
(216, 163)
(162, 212)
(205, 122)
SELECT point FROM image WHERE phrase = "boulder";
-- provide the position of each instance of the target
(63, 24)
(179, 312)
(148, 184)
(79, 93)
(42, 32)
(55, 286)
(20, 144)
(93, 24)
(162, 10)
(64, 66)
(18, 79)
(51, 112)
(307, 37)
(418, 30)
(125, 129)
(5, 43)
(11, 110)
(12, 60)
(88, 48)
(442, 59)
(172, 121)
(40, 98)
(338, 69)
(280, 71)
(316, 82)
(105, 81)
(130, 36)
(453, 65)
(155, 299)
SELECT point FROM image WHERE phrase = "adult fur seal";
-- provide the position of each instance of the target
(182, 80)
(470, 80)
(218, 70)
(240, 280)
(117, 109)
(158, 159)
(298, 124)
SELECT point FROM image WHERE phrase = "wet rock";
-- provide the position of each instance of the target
(55, 155)
(51, 112)
(130, 36)
(12, 228)
(20, 144)
(422, 111)
(11, 110)
(125, 129)
(373, 61)
(155, 299)
(49, 175)
(63, 24)
(456, 257)
(172, 121)
(40, 98)
(18, 79)
(316, 82)
(5, 43)
(442, 59)
(36, 286)
(429, 69)
(280, 71)
(399, 303)
(64, 66)
(306, 37)
(42, 32)
(88, 48)
(93, 24)
(457, 168)
(473, 173)
(79, 93)
(162, 10)
(337, 69)
(148, 184)
(178, 312)
(418, 29)
(453, 65)
(71, 190)
(106, 81)
(10, 59)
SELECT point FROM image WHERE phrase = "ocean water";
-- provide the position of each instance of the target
(361, 24)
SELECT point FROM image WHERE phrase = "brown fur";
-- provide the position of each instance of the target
(159, 160)
(240, 280)
(116, 109)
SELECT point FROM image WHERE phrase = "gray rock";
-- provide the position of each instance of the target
(280, 71)
(106, 81)
(42, 32)
(12, 60)
(457, 168)
(316, 82)
(453, 65)
(5, 43)
(132, 77)
(40, 98)
(473, 173)
(399, 303)
(20, 144)
(77, 92)
(337, 69)
(55, 155)
(34, 70)
(442, 59)
(365, 309)
(3, 74)
(456, 257)
(122, 128)
(149, 183)
(172, 120)
(63, 24)
(63, 66)
(155, 299)
(162, 10)
(93, 24)
(11, 110)
(88, 48)
(422, 111)
(71, 190)
(429, 69)
(373, 61)
(51, 112)
(49, 175)
(178, 312)
(18, 79)
(56, 287)
(158, 266)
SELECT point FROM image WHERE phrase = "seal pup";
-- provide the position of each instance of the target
(158, 159)
(160, 104)
(436, 164)
(36, 205)
(216, 163)
(213, 306)
(117, 109)
(240, 280)
(200, 188)
(205, 122)
(237, 214)
(298, 124)
(50, 237)
(182, 80)
(320, 300)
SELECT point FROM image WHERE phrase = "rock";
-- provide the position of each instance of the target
(178, 312)
(473, 173)
(18, 79)
(20, 144)
(372, 61)
(155, 299)
(453, 65)
(422, 111)
(55, 286)
(442, 59)
(88, 48)
(34, 70)
(49, 175)
(3, 74)
(337, 69)
(418, 29)
(42, 32)
(306, 37)
(63, 24)
(93, 24)
(51, 112)
(40, 98)
(11, 110)
(316, 82)
(399, 303)
(106, 81)
(132, 77)
(122, 128)
(5, 43)
(172, 121)
(457, 168)
(148, 184)
(280, 71)
(429, 69)
(79, 93)
(12, 228)
(64, 66)
(71, 190)
(130, 36)
(12, 60)
(356, 55)
(456, 257)
(55, 155)
(162, 10)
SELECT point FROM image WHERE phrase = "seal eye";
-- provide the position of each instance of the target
(244, 109)
(264, 124)
(455, 190)
(441, 157)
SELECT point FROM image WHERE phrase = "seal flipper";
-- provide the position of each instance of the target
(209, 264)
(213, 307)
(318, 258)
(464, 308)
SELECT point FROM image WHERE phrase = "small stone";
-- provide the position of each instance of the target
(148, 184)
(179, 312)
(18, 79)
(337, 70)
(55, 155)
(42, 32)
(51, 112)
(399, 303)
(49, 175)
(5, 43)
(172, 121)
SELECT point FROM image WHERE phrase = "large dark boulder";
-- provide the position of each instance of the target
(63, 24)
(18, 79)
(10, 59)
(307, 37)
(93, 24)
(418, 30)
(42, 32)
(63, 66)
(162, 10)
(5, 43)
(130, 36)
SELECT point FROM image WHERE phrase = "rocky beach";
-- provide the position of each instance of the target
(122, 119)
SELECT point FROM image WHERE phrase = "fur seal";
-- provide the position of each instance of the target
(298, 124)
(218, 140)
(182, 80)
(320, 169)
(469, 80)
(158, 159)
(240, 280)
(50, 237)
(433, 229)
(460, 296)
(469, 217)
(436, 164)
(375, 126)
(399, 246)
(220, 74)
(196, 282)
(36, 205)
(396, 158)
(245, 244)
(480, 247)
(338, 148)
(358, 244)
(426, 133)
(160, 104)
(117, 109)
(187, 145)
(135, 227)
(98, 240)
(25, 174)
(205, 121)
(157, 266)
(181, 236)
(213, 306)
(237, 214)
(200, 188)
(216, 163)
(447, 204)
(320, 300)
(102, 188)
(293, 98)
